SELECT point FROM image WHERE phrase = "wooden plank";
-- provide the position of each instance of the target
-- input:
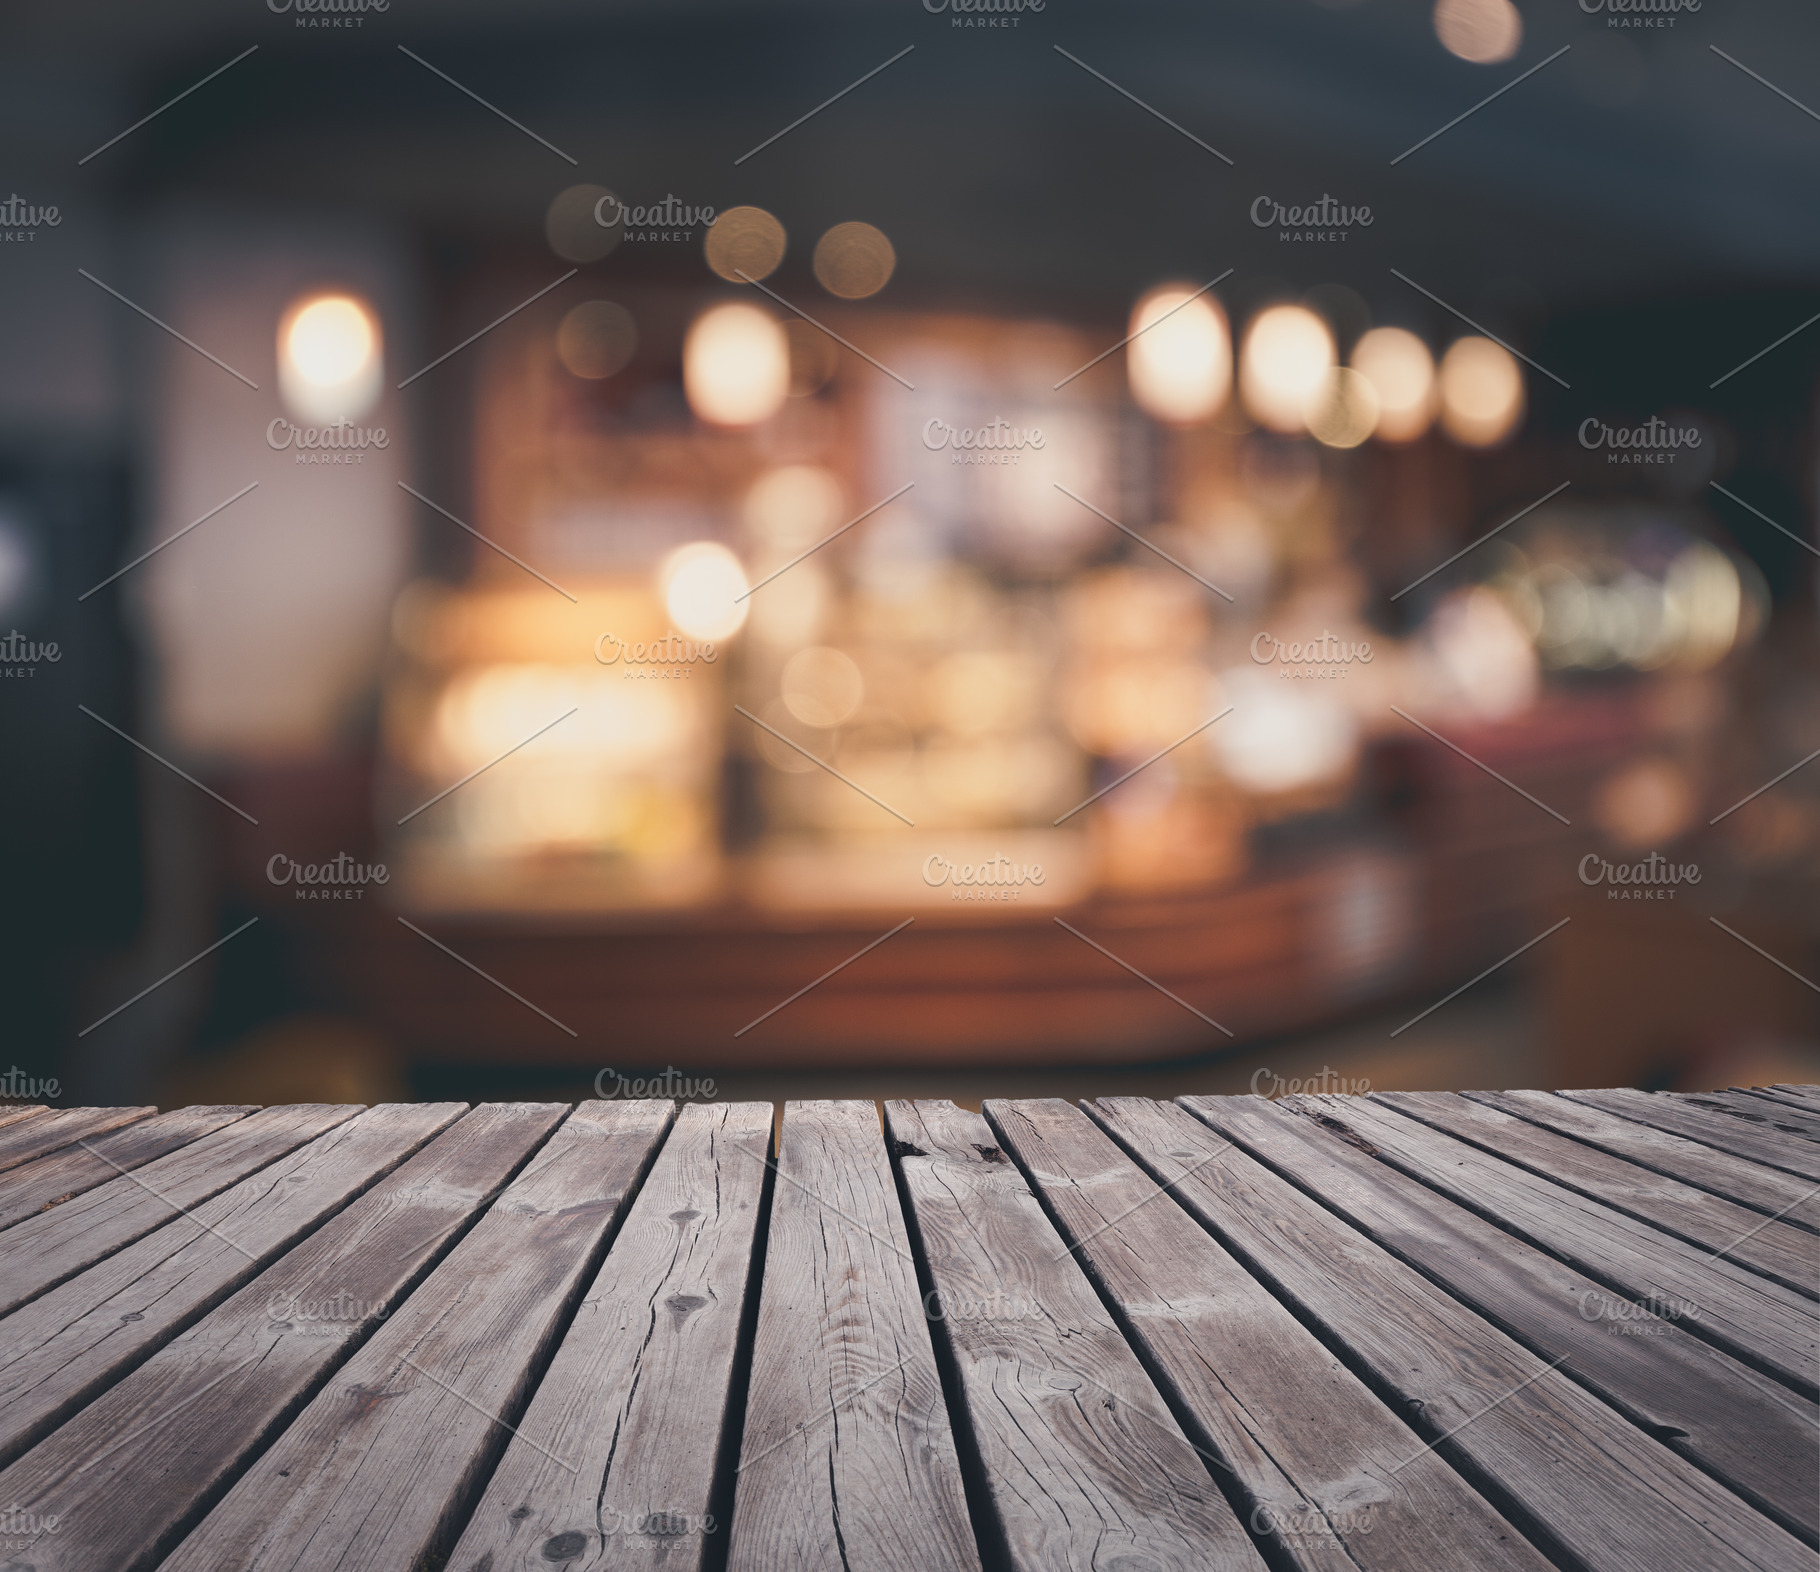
(11, 1112)
(1743, 1427)
(44, 1251)
(1807, 1096)
(847, 1459)
(1770, 1111)
(29, 1138)
(1310, 1448)
(1750, 1317)
(639, 1396)
(1703, 1125)
(1765, 1190)
(1084, 1464)
(1782, 1096)
(382, 1466)
(207, 1401)
(50, 1181)
(1581, 1480)
(1775, 1249)
(68, 1345)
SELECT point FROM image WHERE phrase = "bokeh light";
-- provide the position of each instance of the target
(1345, 411)
(822, 686)
(744, 240)
(1481, 392)
(596, 339)
(1401, 372)
(1179, 360)
(1284, 365)
(701, 584)
(572, 228)
(736, 365)
(329, 358)
(854, 260)
(1482, 31)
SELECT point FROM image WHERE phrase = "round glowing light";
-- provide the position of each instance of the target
(736, 365)
(572, 224)
(701, 584)
(794, 505)
(1345, 411)
(1482, 31)
(1481, 392)
(822, 686)
(1179, 358)
(744, 240)
(1284, 365)
(329, 360)
(1402, 373)
(1287, 736)
(1645, 803)
(854, 260)
(596, 339)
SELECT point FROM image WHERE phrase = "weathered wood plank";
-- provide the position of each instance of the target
(1777, 1115)
(1750, 1317)
(381, 1467)
(44, 1251)
(26, 1139)
(52, 1180)
(65, 1347)
(1775, 1249)
(1807, 1096)
(848, 1459)
(1580, 1479)
(1769, 1191)
(638, 1395)
(1710, 1129)
(10, 1113)
(1743, 1427)
(1084, 1463)
(1313, 1452)
(134, 1470)
(1782, 1096)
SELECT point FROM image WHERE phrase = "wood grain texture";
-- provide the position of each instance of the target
(1807, 1096)
(1084, 1462)
(1740, 1426)
(1774, 1249)
(638, 1394)
(11, 1113)
(132, 1471)
(1312, 1450)
(50, 1181)
(1768, 1191)
(1771, 1111)
(26, 1139)
(848, 1460)
(68, 1345)
(380, 1468)
(1555, 1458)
(44, 1251)
(1750, 1317)
(1782, 1096)
(1718, 1130)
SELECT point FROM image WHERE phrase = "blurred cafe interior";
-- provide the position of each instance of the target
(1096, 560)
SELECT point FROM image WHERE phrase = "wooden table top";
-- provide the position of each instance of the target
(1400, 1333)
